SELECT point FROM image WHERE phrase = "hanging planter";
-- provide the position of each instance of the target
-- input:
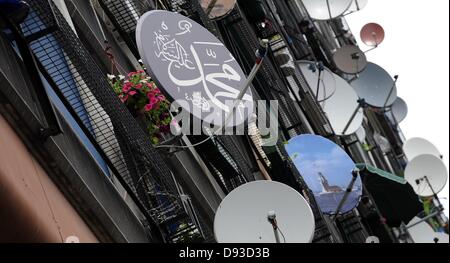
(145, 101)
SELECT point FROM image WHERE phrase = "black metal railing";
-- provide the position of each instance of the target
(85, 89)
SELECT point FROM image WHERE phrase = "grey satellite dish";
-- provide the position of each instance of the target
(398, 112)
(421, 233)
(372, 240)
(327, 170)
(350, 59)
(217, 9)
(358, 5)
(340, 108)
(426, 170)
(323, 89)
(326, 9)
(243, 216)
(193, 67)
(418, 146)
(376, 86)
(361, 134)
(441, 238)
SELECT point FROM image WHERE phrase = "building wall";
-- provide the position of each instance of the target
(32, 209)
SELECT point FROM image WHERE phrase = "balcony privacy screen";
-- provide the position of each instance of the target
(116, 131)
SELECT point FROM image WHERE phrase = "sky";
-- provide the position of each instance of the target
(416, 48)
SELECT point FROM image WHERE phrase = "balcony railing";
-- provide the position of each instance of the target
(85, 91)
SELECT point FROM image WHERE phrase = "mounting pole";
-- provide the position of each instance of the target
(355, 175)
(210, 7)
(261, 53)
(321, 68)
(361, 104)
(272, 218)
(392, 91)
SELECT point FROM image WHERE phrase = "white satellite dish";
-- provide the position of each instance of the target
(243, 216)
(372, 240)
(324, 89)
(193, 67)
(341, 107)
(361, 134)
(326, 9)
(422, 233)
(418, 146)
(358, 5)
(433, 169)
(376, 86)
(350, 59)
(398, 112)
(441, 238)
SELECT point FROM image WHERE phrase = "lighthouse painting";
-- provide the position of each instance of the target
(327, 188)
(327, 170)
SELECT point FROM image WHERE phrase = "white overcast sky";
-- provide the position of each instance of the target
(416, 48)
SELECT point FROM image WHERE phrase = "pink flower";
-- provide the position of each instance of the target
(158, 91)
(150, 85)
(131, 74)
(132, 93)
(127, 87)
(139, 86)
(150, 95)
(162, 98)
(148, 107)
(154, 100)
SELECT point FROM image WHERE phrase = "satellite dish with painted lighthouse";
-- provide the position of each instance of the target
(327, 170)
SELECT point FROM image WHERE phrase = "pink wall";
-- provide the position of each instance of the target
(32, 208)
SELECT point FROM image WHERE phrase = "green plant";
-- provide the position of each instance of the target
(145, 101)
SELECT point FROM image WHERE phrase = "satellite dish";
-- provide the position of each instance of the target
(418, 146)
(341, 107)
(217, 9)
(440, 238)
(422, 233)
(361, 134)
(398, 112)
(326, 9)
(243, 215)
(372, 34)
(358, 5)
(193, 67)
(372, 240)
(327, 170)
(327, 86)
(350, 59)
(426, 166)
(376, 86)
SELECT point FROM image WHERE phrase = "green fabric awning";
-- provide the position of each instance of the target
(381, 173)
(393, 195)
